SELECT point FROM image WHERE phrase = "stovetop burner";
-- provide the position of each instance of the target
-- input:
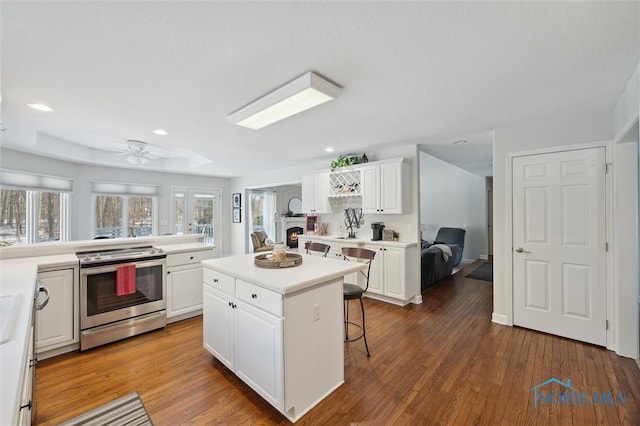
(119, 255)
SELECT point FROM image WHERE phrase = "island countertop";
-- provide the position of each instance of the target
(314, 270)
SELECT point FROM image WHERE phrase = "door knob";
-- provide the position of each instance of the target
(521, 250)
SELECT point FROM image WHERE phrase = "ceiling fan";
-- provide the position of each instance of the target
(137, 153)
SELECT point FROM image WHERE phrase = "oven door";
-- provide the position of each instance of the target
(99, 303)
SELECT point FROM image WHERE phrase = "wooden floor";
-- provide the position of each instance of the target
(441, 362)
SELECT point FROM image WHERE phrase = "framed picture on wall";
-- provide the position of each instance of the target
(237, 216)
(236, 200)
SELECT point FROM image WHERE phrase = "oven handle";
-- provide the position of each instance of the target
(42, 289)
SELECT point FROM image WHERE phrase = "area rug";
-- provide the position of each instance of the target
(128, 410)
(482, 272)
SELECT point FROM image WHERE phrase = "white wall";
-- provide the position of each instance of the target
(84, 174)
(626, 109)
(453, 197)
(626, 245)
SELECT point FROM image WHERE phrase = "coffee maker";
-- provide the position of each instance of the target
(377, 230)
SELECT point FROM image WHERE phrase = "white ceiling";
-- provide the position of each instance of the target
(412, 73)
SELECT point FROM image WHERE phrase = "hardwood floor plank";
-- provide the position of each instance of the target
(441, 362)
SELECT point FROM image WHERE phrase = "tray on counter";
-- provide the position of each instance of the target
(267, 261)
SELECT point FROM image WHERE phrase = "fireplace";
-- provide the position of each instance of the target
(292, 236)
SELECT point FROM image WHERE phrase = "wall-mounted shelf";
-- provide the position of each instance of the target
(345, 184)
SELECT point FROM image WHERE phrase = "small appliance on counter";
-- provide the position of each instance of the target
(377, 230)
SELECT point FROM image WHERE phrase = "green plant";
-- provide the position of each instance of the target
(348, 160)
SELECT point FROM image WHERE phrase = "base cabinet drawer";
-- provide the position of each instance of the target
(259, 297)
(188, 258)
(219, 281)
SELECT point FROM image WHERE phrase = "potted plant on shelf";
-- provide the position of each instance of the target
(348, 160)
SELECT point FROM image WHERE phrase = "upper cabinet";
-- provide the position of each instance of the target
(379, 185)
(383, 184)
(315, 193)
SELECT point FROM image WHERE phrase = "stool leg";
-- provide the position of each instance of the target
(346, 320)
(364, 330)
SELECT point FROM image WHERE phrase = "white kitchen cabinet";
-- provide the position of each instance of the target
(383, 184)
(388, 272)
(259, 360)
(218, 325)
(243, 328)
(27, 403)
(184, 284)
(315, 193)
(57, 324)
(390, 269)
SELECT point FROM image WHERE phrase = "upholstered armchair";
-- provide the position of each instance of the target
(260, 241)
(452, 237)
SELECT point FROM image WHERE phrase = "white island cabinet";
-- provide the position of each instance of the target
(279, 330)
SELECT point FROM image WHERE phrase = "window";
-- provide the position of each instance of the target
(124, 210)
(28, 217)
(112, 211)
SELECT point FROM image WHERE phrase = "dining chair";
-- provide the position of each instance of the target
(319, 248)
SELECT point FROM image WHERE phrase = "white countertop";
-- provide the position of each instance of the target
(358, 241)
(313, 271)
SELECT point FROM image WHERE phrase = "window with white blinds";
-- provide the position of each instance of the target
(33, 208)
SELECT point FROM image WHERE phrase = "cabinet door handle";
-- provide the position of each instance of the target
(28, 406)
(254, 296)
(215, 280)
(230, 304)
(168, 272)
(191, 258)
(42, 289)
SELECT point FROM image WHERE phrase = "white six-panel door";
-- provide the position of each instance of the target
(558, 248)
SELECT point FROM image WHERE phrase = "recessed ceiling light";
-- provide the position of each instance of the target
(329, 149)
(160, 132)
(459, 142)
(41, 107)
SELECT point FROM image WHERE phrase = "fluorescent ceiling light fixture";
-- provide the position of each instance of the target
(160, 132)
(303, 93)
(41, 107)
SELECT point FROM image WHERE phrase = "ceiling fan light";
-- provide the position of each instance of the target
(301, 94)
(137, 160)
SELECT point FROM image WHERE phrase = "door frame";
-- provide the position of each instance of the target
(508, 242)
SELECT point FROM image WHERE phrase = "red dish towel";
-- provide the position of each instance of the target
(126, 279)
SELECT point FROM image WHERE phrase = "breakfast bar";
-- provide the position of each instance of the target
(279, 330)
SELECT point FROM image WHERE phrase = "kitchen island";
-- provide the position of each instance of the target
(279, 330)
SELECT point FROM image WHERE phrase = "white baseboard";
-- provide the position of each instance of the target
(484, 257)
(499, 319)
(466, 262)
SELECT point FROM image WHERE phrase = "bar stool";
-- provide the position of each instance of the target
(317, 247)
(352, 291)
